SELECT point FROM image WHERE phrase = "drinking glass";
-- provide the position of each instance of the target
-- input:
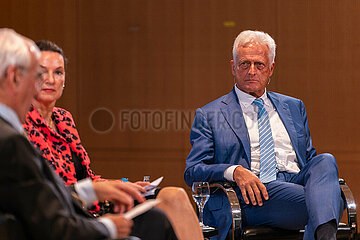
(201, 194)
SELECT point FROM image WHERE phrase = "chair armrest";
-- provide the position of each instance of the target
(234, 203)
(349, 204)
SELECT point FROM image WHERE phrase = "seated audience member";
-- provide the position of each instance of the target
(261, 141)
(33, 193)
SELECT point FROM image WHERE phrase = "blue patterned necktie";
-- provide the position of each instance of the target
(267, 154)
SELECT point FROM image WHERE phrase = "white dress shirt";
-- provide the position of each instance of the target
(11, 117)
(284, 152)
(83, 188)
(86, 192)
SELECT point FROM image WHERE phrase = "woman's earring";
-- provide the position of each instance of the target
(64, 85)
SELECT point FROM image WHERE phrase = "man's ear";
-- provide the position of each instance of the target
(272, 69)
(232, 63)
(11, 75)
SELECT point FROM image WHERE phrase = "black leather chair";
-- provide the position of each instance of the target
(346, 230)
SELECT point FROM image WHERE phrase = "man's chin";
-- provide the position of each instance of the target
(256, 92)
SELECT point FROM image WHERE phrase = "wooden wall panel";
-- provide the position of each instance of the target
(138, 57)
(53, 20)
(317, 65)
(134, 165)
(210, 29)
(172, 56)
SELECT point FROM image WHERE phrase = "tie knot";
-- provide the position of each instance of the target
(259, 102)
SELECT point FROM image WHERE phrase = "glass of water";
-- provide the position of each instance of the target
(201, 194)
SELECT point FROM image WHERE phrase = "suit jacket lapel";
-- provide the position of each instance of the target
(58, 183)
(50, 175)
(285, 115)
(232, 112)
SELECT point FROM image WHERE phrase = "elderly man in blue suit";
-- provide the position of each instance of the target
(261, 141)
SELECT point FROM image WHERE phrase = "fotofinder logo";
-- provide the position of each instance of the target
(103, 120)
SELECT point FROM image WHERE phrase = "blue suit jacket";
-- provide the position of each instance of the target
(219, 139)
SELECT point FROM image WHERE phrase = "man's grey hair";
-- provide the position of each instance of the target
(14, 50)
(261, 38)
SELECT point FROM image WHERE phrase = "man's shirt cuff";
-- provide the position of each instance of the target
(85, 191)
(229, 173)
(110, 226)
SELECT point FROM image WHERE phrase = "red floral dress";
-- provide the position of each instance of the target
(57, 148)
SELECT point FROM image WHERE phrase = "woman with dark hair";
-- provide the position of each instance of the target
(52, 129)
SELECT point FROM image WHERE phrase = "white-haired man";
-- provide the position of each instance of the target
(261, 141)
(30, 190)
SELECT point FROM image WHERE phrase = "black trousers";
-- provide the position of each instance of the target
(153, 225)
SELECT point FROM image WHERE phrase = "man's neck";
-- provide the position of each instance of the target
(10, 115)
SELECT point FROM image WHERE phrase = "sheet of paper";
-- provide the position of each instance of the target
(141, 208)
(150, 189)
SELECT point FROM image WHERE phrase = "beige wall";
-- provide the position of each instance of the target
(172, 56)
